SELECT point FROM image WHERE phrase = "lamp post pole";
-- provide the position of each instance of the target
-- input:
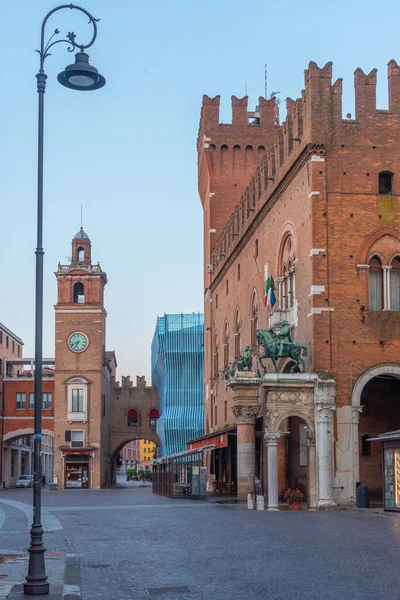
(79, 76)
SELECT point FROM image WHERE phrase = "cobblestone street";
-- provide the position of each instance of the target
(130, 542)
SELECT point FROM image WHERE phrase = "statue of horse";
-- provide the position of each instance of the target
(267, 339)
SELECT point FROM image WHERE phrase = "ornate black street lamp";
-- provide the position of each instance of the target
(79, 76)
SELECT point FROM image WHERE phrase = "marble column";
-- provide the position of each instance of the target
(272, 438)
(246, 449)
(245, 388)
(312, 484)
(324, 427)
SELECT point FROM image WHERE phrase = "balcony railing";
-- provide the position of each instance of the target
(277, 316)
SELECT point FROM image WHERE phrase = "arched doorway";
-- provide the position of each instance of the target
(376, 399)
(293, 460)
(380, 400)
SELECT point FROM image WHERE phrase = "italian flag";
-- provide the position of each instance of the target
(269, 294)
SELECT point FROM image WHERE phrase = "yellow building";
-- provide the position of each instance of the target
(147, 453)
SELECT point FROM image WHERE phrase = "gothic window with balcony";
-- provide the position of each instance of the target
(287, 276)
(384, 285)
(226, 346)
(395, 284)
(237, 333)
(215, 355)
(254, 319)
(375, 284)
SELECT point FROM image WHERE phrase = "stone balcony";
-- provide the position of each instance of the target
(277, 316)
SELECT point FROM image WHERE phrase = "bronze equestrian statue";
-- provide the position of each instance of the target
(280, 345)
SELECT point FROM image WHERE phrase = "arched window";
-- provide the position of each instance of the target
(284, 287)
(132, 417)
(80, 254)
(286, 282)
(238, 326)
(254, 319)
(395, 284)
(375, 284)
(79, 293)
(153, 417)
(226, 346)
(385, 182)
(215, 355)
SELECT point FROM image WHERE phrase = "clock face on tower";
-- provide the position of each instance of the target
(78, 342)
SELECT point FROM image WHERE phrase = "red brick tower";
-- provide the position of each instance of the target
(81, 436)
(228, 157)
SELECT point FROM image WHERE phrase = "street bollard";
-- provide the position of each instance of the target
(250, 502)
(260, 503)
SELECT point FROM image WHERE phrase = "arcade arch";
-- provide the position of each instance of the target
(376, 410)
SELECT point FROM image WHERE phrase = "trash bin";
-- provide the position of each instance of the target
(362, 494)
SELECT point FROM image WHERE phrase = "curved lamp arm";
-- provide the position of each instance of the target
(45, 47)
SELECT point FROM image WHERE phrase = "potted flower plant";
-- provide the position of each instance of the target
(294, 497)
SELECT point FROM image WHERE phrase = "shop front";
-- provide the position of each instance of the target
(77, 469)
(391, 469)
(221, 460)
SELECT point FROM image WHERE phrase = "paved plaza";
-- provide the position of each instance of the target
(131, 544)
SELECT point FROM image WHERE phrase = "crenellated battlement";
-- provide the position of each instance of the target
(313, 125)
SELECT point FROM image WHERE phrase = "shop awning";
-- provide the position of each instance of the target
(218, 438)
(386, 437)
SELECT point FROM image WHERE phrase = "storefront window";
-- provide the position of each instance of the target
(76, 474)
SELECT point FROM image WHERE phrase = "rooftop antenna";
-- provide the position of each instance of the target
(81, 216)
(245, 89)
(265, 81)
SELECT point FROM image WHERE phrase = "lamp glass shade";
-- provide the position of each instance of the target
(81, 75)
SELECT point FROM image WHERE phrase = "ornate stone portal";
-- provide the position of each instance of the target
(308, 396)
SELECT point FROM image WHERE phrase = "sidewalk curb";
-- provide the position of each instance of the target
(69, 590)
(72, 578)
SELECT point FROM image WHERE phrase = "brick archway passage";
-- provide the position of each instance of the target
(141, 400)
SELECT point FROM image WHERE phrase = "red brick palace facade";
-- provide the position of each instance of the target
(312, 202)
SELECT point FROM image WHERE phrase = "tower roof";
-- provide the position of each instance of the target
(81, 235)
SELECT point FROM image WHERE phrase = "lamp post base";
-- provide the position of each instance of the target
(55, 591)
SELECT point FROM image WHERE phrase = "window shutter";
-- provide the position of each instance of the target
(68, 436)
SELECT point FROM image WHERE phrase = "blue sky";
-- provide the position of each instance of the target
(128, 151)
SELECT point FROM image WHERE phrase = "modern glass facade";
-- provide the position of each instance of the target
(177, 371)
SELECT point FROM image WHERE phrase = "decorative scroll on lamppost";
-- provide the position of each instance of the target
(79, 76)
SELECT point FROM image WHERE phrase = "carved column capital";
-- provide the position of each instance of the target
(323, 412)
(245, 414)
(272, 437)
(355, 414)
